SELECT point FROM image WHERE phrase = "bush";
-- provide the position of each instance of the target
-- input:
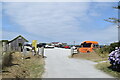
(109, 48)
(105, 50)
(102, 52)
(113, 45)
(6, 59)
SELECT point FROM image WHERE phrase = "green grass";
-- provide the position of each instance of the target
(105, 68)
(103, 54)
(35, 66)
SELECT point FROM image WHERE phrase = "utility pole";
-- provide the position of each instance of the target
(118, 22)
(74, 43)
(118, 33)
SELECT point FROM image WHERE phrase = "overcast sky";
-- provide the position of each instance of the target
(60, 21)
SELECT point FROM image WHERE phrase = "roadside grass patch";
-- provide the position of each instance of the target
(35, 67)
(96, 56)
(6, 59)
(29, 67)
(105, 67)
(93, 56)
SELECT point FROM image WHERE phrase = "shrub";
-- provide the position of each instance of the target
(113, 45)
(6, 59)
(109, 48)
(105, 50)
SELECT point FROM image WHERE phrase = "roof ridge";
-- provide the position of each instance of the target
(18, 37)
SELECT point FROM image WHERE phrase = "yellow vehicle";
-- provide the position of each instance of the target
(88, 46)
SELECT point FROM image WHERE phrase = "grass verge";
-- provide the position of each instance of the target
(90, 56)
(106, 68)
(6, 59)
(29, 67)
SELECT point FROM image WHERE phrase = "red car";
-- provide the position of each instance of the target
(67, 47)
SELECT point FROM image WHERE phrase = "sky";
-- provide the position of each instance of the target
(59, 21)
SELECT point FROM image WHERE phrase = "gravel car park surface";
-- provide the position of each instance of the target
(59, 65)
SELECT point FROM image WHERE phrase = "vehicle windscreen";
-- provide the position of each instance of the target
(95, 45)
(86, 44)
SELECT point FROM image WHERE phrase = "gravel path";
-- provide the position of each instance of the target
(58, 65)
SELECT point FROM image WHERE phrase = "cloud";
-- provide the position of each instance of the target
(59, 0)
(46, 18)
(57, 21)
(107, 35)
(103, 36)
(105, 0)
(8, 35)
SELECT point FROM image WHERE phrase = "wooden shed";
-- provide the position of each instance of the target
(17, 43)
(4, 45)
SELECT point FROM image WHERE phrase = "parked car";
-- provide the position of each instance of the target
(67, 47)
(49, 46)
(28, 47)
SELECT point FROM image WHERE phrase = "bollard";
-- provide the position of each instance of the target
(72, 52)
(42, 52)
(24, 51)
(33, 51)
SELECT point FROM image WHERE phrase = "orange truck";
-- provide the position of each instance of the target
(88, 46)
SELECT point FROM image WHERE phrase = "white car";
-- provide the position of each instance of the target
(28, 48)
(48, 46)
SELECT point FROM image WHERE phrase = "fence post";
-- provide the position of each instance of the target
(72, 52)
(42, 52)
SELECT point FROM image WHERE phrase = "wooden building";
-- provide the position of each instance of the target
(4, 45)
(17, 43)
(14, 45)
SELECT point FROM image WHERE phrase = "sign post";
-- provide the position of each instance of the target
(34, 45)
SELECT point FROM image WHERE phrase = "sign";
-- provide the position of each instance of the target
(34, 44)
